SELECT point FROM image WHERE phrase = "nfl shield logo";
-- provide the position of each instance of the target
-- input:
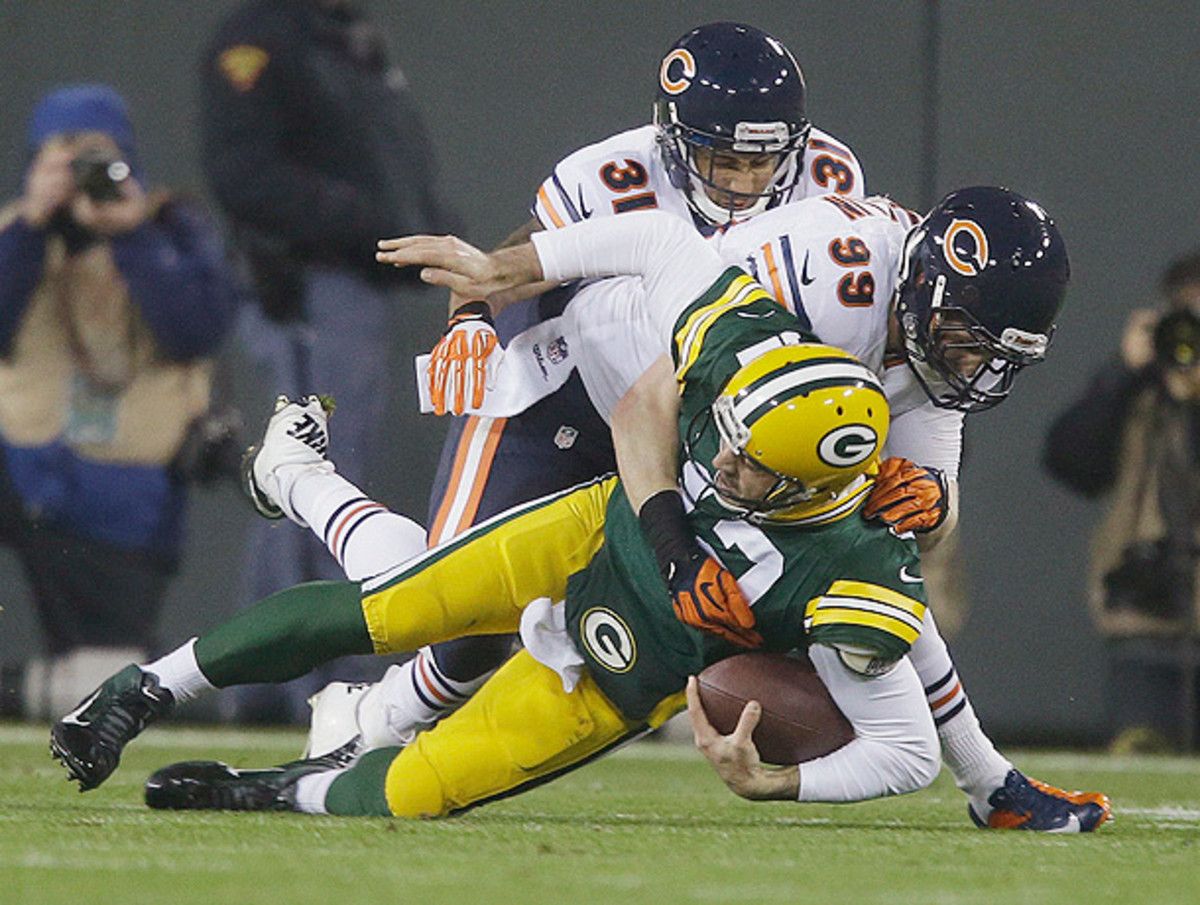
(556, 350)
(565, 438)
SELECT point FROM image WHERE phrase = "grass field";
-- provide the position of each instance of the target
(650, 824)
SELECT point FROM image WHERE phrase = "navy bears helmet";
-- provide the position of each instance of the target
(983, 278)
(730, 87)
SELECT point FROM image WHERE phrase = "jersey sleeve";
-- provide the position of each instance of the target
(616, 176)
(865, 615)
(877, 601)
(560, 200)
(830, 167)
(929, 436)
(674, 262)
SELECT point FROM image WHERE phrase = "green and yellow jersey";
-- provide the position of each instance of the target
(842, 582)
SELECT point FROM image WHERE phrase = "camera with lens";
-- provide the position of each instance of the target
(99, 173)
(1177, 339)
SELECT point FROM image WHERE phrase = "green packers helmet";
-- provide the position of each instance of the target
(813, 416)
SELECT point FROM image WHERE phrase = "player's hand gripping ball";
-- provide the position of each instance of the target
(800, 721)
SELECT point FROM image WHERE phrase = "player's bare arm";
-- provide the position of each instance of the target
(734, 756)
(645, 435)
(462, 268)
(520, 236)
(499, 302)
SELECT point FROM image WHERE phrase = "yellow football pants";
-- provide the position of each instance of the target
(479, 582)
(520, 729)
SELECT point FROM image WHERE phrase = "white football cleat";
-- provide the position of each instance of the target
(382, 714)
(296, 440)
(334, 717)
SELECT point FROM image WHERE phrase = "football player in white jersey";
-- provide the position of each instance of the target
(713, 156)
(977, 286)
(949, 310)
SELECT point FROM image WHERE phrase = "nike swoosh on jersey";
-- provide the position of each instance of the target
(805, 279)
(908, 578)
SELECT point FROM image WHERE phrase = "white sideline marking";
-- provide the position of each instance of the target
(1166, 815)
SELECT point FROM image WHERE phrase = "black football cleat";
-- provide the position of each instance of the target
(89, 740)
(207, 785)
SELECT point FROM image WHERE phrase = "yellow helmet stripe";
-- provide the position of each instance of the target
(689, 339)
(802, 378)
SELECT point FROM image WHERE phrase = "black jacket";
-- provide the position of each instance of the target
(311, 141)
(1084, 442)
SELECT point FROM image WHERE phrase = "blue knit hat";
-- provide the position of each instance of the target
(82, 108)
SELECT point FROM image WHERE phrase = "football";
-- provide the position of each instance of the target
(800, 720)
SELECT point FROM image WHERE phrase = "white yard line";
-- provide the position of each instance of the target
(291, 741)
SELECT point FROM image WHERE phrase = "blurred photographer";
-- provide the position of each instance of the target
(1135, 434)
(113, 300)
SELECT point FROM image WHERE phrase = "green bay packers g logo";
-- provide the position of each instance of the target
(847, 445)
(608, 639)
(687, 70)
(965, 247)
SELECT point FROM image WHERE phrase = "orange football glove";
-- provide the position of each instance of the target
(464, 361)
(907, 496)
(710, 599)
(704, 594)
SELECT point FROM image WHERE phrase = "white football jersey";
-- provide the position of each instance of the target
(626, 173)
(832, 261)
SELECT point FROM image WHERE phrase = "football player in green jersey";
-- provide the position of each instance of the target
(783, 437)
(490, 749)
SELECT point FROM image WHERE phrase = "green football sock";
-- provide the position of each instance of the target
(286, 635)
(361, 790)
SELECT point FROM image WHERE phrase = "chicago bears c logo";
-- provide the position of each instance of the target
(687, 68)
(847, 445)
(965, 246)
(608, 639)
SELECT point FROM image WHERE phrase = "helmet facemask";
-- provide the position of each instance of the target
(679, 143)
(937, 352)
(982, 279)
(785, 493)
(809, 418)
